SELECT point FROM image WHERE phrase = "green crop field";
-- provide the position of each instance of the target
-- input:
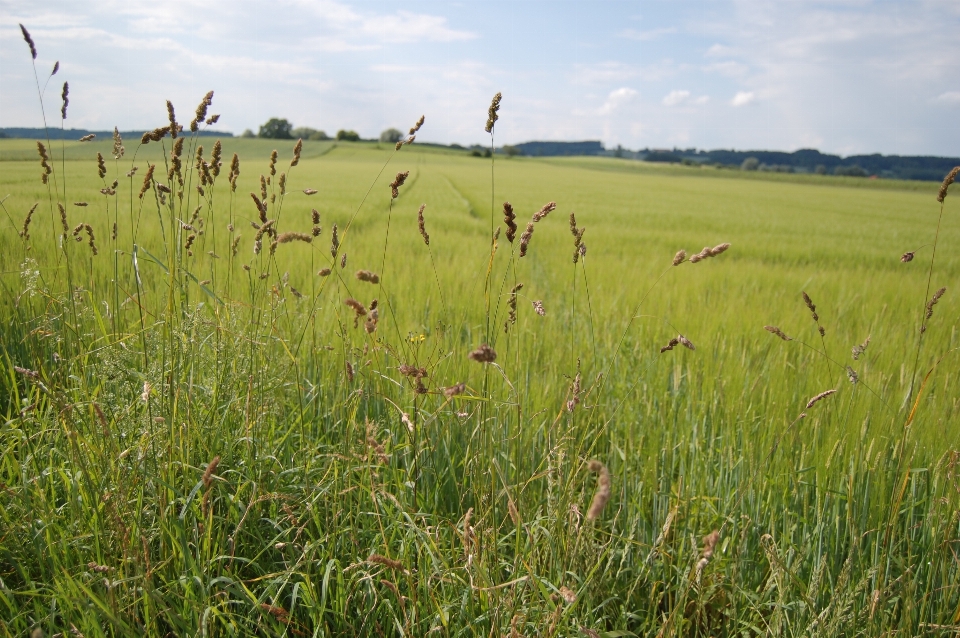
(199, 439)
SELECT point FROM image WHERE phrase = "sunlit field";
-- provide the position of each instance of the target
(209, 435)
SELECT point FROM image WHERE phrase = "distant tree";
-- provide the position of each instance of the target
(303, 132)
(391, 136)
(511, 151)
(476, 153)
(750, 164)
(662, 156)
(618, 152)
(276, 129)
(820, 169)
(247, 133)
(348, 136)
(850, 171)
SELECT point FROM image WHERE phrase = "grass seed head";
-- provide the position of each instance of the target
(324, 272)
(369, 277)
(210, 471)
(297, 148)
(686, 343)
(856, 351)
(602, 494)
(483, 354)
(334, 243)
(777, 331)
(397, 183)
(421, 224)
(673, 343)
(525, 239)
(65, 97)
(680, 257)
(29, 41)
(510, 219)
(819, 397)
(25, 233)
(538, 307)
(907, 257)
(949, 179)
(88, 137)
(454, 390)
(492, 112)
(389, 563)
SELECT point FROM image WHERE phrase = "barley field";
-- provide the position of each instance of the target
(223, 417)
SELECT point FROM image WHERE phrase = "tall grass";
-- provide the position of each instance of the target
(203, 443)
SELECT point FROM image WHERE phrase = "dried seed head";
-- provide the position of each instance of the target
(201, 113)
(215, 158)
(929, 311)
(309, 191)
(455, 390)
(492, 115)
(680, 257)
(29, 41)
(210, 471)
(63, 218)
(334, 243)
(87, 138)
(366, 275)
(297, 148)
(65, 96)
(343, 260)
(673, 343)
(538, 307)
(377, 559)
(852, 375)
(172, 118)
(777, 331)
(416, 127)
(408, 370)
(685, 342)
(907, 257)
(118, 149)
(101, 166)
(397, 183)
(525, 239)
(30, 374)
(421, 225)
(512, 305)
(547, 208)
(856, 351)
(483, 354)
(286, 238)
(25, 233)
(942, 194)
(819, 397)
(603, 490)
(510, 219)
(324, 272)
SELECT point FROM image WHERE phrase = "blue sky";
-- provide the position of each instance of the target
(854, 76)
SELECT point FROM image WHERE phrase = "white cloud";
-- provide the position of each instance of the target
(684, 98)
(951, 98)
(616, 99)
(673, 98)
(742, 98)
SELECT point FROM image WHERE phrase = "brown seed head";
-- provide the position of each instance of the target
(65, 96)
(492, 115)
(101, 166)
(547, 208)
(286, 238)
(210, 471)
(377, 559)
(907, 257)
(455, 390)
(297, 148)
(777, 331)
(603, 490)
(933, 302)
(680, 257)
(538, 307)
(87, 138)
(483, 354)
(525, 239)
(366, 275)
(422, 225)
(685, 342)
(334, 243)
(819, 397)
(509, 218)
(416, 127)
(324, 272)
(949, 179)
(25, 233)
(201, 113)
(397, 183)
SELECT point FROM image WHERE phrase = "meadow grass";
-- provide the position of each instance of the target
(193, 448)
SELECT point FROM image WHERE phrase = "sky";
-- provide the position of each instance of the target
(846, 77)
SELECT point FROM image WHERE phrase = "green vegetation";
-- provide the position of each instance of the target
(198, 441)
(276, 129)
